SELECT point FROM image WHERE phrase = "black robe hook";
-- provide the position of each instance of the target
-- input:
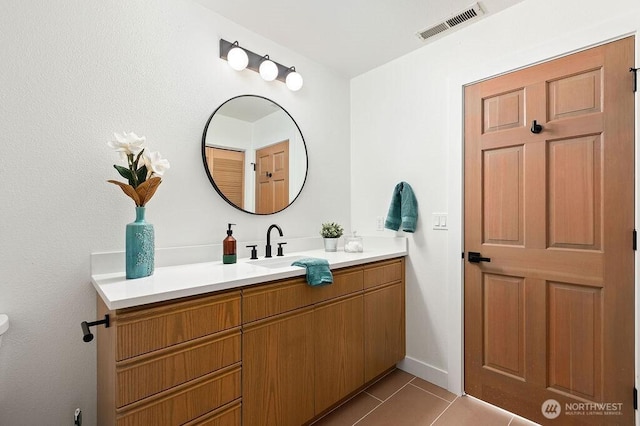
(535, 127)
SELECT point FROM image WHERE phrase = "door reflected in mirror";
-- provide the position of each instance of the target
(254, 154)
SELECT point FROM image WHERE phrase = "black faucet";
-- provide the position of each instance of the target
(268, 248)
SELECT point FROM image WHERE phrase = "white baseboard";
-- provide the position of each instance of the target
(425, 371)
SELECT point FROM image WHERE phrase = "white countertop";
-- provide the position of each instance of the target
(172, 282)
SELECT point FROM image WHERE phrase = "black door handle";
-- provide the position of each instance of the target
(475, 257)
(535, 127)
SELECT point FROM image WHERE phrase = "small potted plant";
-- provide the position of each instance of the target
(331, 231)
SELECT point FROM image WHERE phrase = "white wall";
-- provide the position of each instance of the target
(406, 124)
(72, 73)
(229, 132)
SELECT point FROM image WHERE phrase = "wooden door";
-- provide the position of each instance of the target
(551, 316)
(226, 167)
(339, 350)
(272, 178)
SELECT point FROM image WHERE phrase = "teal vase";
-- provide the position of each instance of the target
(140, 248)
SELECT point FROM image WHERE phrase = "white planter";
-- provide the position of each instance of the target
(331, 244)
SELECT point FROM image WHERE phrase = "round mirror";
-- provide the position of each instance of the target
(254, 154)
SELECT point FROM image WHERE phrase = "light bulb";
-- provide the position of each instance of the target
(268, 70)
(237, 58)
(294, 81)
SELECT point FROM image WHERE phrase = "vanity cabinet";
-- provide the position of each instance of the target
(307, 348)
(384, 317)
(276, 353)
(173, 362)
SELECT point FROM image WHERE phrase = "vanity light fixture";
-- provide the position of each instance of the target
(294, 80)
(237, 57)
(240, 58)
(268, 69)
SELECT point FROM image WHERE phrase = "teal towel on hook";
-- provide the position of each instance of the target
(403, 211)
(318, 272)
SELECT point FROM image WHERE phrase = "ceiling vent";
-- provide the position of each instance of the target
(471, 13)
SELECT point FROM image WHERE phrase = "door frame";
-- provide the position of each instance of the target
(455, 267)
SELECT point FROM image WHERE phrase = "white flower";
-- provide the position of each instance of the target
(155, 163)
(127, 143)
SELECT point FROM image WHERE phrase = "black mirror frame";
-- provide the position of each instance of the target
(206, 165)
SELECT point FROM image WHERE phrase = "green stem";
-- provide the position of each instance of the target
(132, 167)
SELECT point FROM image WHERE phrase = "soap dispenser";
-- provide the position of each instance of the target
(229, 254)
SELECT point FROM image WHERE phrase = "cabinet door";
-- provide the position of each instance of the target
(339, 350)
(277, 370)
(384, 332)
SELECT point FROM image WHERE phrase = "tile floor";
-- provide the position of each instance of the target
(401, 399)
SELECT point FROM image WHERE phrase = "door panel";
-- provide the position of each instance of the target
(272, 178)
(575, 95)
(575, 341)
(551, 315)
(504, 324)
(574, 181)
(504, 196)
(504, 111)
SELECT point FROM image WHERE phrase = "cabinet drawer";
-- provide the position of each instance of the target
(144, 330)
(229, 415)
(187, 403)
(273, 299)
(147, 375)
(383, 273)
(345, 281)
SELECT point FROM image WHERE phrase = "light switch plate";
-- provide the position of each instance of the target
(439, 221)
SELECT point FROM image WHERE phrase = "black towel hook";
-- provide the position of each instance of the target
(87, 336)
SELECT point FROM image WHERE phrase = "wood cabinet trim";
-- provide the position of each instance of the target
(275, 318)
(381, 286)
(338, 299)
(106, 364)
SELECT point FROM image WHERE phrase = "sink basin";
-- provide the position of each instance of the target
(276, 262)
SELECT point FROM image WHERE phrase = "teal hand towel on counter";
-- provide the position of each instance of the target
(318, 272)
(403, 210)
